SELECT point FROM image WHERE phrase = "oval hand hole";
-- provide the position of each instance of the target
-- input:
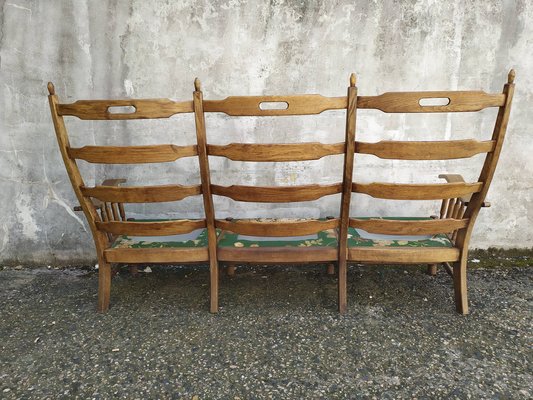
(121, 110)
(273, 105)
(434, 101)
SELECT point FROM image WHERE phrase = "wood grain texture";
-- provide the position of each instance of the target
(160, 255)
(278, 255)
(397, 227)
(276, 194)
(144, 109)
(430, 150)
(205, 175)
(141, 194)
(351, 119)
(275, 152)
(132, 154)
(377, 255)
(408, 102)
(406, 191)
(297, 105)
(159, 228)
(273, 229)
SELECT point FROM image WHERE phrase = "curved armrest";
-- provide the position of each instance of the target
(455, 178)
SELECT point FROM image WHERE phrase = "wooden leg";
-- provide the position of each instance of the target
(104, 286)
(432, 269)
(331, 269)
(213, 281)
(134, 270)
(459, 285)
(231, 269)
(342, 286)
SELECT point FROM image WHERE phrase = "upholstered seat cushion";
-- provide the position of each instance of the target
(360, 238)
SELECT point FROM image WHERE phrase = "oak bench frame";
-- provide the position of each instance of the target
(103, 205)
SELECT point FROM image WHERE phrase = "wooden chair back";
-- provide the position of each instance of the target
(457, 215)
(109, 197)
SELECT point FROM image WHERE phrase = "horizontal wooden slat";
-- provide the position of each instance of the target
(276, 194)
(276, 229)
(141, 194)
(270, 255)
(397, 255)
(275, 152)
(402, 227)
(297, 105)
(144, 108)
(132, 154)
(408, 102)
(436, 150)
(158, 228)
(159, 255)
(405, 191)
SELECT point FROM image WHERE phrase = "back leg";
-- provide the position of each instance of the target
(459, 285)
(432, 269)
(104, 286)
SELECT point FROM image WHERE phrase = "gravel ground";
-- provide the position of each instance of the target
(278, 335)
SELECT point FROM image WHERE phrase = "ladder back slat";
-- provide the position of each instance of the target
(409, 102)
(143, 109)
(275, 152)
(158, 228)
(141, 194)
(132, 154)
(276, 194)
(295, 105)
(278, 228)
(402, 227)
(430, 150)
(404, 191)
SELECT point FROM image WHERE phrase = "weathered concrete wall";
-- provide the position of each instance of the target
(102, 49)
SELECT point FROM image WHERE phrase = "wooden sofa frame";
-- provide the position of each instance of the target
(103, 205)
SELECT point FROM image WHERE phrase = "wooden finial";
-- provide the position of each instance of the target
(197, 85)
(51, 88)
(510, 77)
(353, 79)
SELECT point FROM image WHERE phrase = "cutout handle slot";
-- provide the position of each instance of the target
(273, 105)
(121, 109)
(434, 101)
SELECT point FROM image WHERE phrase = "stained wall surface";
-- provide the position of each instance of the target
(147, 49)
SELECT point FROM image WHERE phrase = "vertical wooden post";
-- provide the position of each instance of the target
(347, 191)
(100, 239)
(206, 193)
(477, 199)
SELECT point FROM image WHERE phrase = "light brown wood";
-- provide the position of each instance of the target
(432, 269)
(396, 255)
(399, 227)
(159, 228)
(291, 228)
(405, 191)
(145, 108)
(132, 154)
(351, 116)
(157, 255)
(276, 194)
(296, 105)
(409, 102)
(277, 255)
(141, 194)
(203, 158)
(436, 150)
(275, 152)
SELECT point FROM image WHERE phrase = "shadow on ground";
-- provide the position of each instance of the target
(278, 335)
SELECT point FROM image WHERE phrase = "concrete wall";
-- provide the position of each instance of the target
(110, 49)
